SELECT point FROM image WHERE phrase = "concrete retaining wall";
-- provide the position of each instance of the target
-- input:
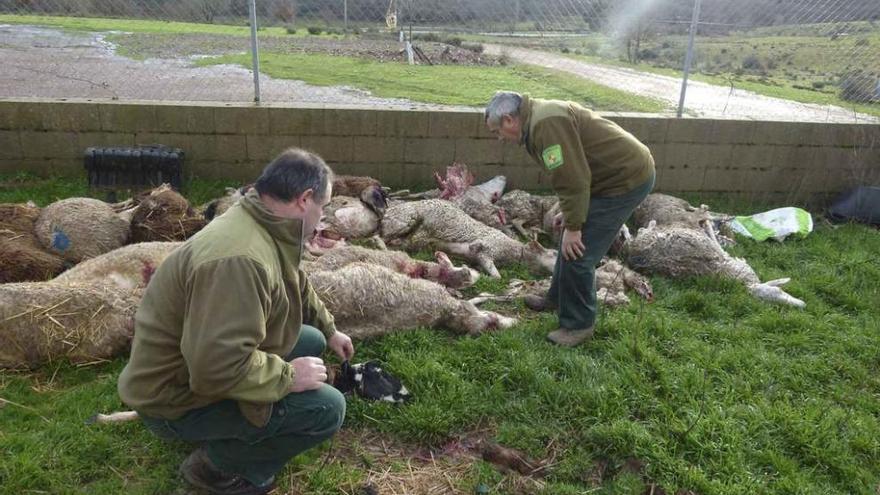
(404, 148)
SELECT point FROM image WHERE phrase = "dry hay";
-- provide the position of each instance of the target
(164, 215)
(41, 322)
(81, 228)
(391, 467)
(22, 257)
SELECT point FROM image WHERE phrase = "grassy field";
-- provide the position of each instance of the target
(801, 63)
(705, 390)
(452, 85)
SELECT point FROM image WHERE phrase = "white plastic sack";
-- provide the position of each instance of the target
(774, 224)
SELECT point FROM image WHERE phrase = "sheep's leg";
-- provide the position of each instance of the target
(488, 266)
(517, 224)
(117, 417)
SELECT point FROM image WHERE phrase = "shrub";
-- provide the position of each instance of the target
(474, 47)
(430, 37)
(752, 62)
(818, 84)
(454, 41)
(291, 30)
(315, 30)
(648, 54)
(565, 49)
(857, 86)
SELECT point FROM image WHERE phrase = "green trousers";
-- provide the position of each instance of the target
(299, 422)
(573, 288)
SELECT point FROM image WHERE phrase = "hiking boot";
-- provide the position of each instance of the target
(570, 338)
(200, 472)
(538, 303)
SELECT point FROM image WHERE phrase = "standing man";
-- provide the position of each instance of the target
(600, 172)
(228, 334)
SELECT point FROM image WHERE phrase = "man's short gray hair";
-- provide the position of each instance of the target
(503, 103)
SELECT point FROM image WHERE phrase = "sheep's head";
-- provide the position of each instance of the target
(455, 277)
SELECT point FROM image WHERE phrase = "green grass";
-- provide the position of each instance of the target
(454, 85)
(706, 388)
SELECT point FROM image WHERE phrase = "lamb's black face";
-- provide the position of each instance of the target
(376, 199)
(370, 381)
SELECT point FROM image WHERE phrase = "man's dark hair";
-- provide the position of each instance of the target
(292, 173)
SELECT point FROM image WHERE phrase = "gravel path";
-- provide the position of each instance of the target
(40, 62)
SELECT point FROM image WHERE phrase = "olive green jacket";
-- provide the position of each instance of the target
(584, 153)
(218, 316)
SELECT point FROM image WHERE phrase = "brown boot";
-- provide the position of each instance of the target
(570, 338)
(199, 471)
(538, 303)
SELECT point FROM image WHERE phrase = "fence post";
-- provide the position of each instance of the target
(255, 50)
(345, 14)
(690, 55)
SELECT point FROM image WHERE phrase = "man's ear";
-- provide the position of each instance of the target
(304, 197)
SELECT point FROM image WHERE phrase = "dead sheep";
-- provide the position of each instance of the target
(526, 211)
(82, 228)
(438, 225)
(41, 322)
(162, 214)
(443, 271)
(478, 201)
(370, 300)
(613, 279)
(22, 257)
(130, 266)
(676, 251)
(367, 189)
(216, 207)
(669, 211)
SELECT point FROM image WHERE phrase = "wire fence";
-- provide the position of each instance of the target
(815, 60)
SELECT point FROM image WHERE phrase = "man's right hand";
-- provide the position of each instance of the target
(309, 373)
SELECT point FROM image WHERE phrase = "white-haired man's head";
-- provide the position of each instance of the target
(502, 116)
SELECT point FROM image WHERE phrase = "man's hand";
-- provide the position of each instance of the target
(308, 374)
(341, 345)
(572, 245)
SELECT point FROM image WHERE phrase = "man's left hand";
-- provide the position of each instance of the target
(572, 245)
(341, 345)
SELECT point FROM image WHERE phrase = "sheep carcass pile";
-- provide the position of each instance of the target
(477, 201)
(437, 224)
(163, 215)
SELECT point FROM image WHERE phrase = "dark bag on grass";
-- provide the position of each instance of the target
(861, 204)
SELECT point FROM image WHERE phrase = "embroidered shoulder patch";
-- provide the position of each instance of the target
(552, 156)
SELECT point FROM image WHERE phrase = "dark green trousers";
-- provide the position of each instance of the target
(299, 422)
(573, 288)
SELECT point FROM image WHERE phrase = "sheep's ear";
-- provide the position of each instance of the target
(778, 282)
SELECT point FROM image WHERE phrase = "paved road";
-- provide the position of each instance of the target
(703, 100)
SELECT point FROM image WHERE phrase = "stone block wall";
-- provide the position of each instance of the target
(403, 148)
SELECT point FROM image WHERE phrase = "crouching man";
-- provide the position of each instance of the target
(229, 333)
